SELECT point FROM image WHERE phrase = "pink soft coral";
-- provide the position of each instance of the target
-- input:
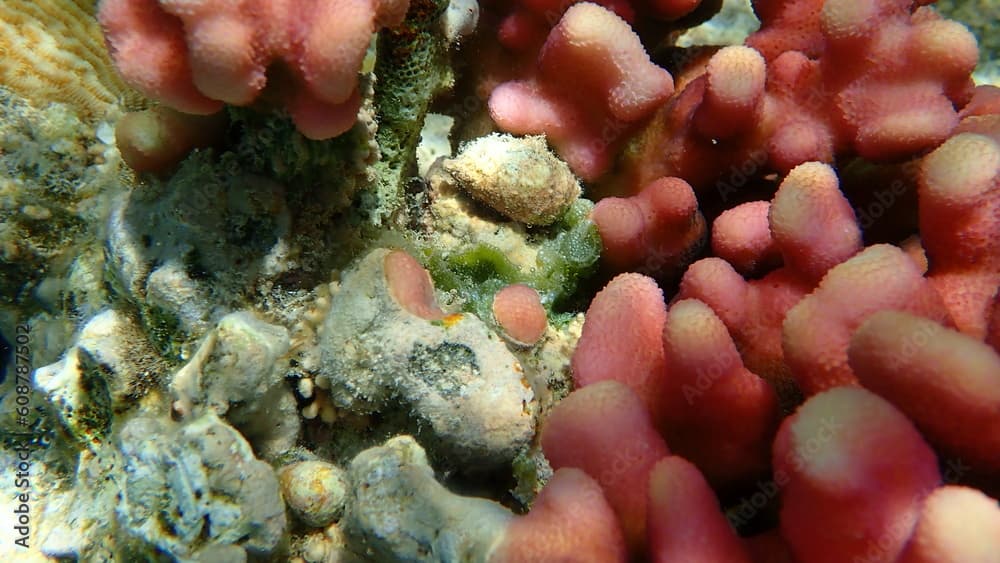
(193, 55)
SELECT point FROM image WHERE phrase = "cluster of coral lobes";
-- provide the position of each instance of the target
(694, 281)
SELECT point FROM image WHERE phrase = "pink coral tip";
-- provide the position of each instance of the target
(411, 285)
(570, 520)
(957, 525)
(742, 236)
(604, 429)
(622, 338)
(853, 472)
(685, 522)
(946, 382)
(518, 310)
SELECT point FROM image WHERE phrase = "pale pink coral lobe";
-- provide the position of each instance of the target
(518, 310)
(411, 286)
(195, 54)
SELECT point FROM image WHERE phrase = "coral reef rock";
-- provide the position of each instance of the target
(454, 373)
(197, 487)
(404, 514)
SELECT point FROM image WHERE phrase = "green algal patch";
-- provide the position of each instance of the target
(567, 252)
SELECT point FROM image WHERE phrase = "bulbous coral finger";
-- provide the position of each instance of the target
(959, 191)
(594, 82)
(622, 339)
(147, 45)
(945, 381)
(518, 310)
(684, 521)
(655, 232)
(853, 472)
(718, 414)
(601, 54)
(604, 429)
(812, 222)
(736, 77)
(570, 520)
(742, 237)
(957, 525)
(816, 331)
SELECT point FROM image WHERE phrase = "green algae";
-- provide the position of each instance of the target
(568, 251)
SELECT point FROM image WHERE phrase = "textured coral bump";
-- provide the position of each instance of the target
(810, 226)
(411, 286)
(655, 232)
(960, 225)
(946, 382)
(569, 521)
(622, 339)
(604, 430)
(718, 415)
(817, 331)
(684, 521)
(195, 55)
(518, 310)
(877, 78)
(853, 472)
(957, 525)
(593, 83)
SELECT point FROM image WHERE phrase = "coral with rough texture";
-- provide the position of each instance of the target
(518, 310)
(685, 367)
(593, 84)
(947, 383)
(569, 521)
(656, 232)
(812, 227)
(718, 414)
(741, 235)
(960, 225)
(957, 524)
(604, 430)
(195, 56)
(622, 339)
(684, 520)
(817, 331)
(53, 52)
(878, 78)
(853, 473)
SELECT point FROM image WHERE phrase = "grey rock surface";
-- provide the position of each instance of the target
(404, 514)
(455, 375)
(197, 486)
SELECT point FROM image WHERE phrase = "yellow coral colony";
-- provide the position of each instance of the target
(53, 51)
